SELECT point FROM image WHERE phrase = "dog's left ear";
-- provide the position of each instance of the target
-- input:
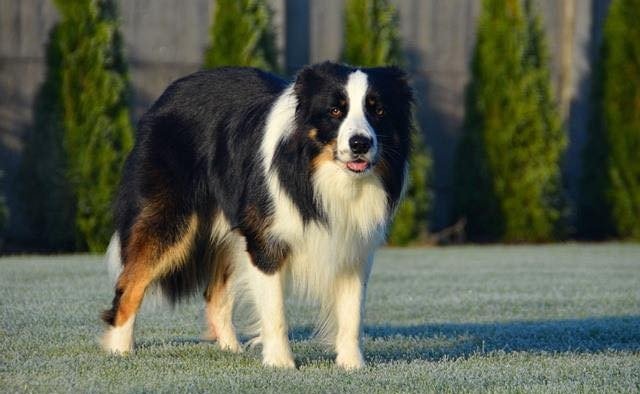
(395, 81)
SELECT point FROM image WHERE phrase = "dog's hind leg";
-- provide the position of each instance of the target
(219, 299)
(147, 254)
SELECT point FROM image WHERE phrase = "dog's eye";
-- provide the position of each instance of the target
(380, 112)
(335, 112)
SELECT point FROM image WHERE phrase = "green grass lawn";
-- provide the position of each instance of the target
(523, 318)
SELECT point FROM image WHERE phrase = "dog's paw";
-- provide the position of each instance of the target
(114, 342)
(278, 358)
(279, 362)
(350, 360)
(230, 345)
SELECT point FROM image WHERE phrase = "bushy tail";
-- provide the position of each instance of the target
(113, 258)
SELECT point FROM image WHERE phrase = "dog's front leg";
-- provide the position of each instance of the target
(349, 310)
(268, 297)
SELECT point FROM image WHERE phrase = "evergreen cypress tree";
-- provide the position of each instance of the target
(242, 35)
(507, 166)
(371, 34)
(47, 201)
(411, 221)
(554, 199)
(372, 39)
(609, 201)
(82, 112)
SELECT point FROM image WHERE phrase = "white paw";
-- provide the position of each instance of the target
(230, 345)
(278, 357)
(228, 342)
(113, 341)
(119, 340)
(350, 360)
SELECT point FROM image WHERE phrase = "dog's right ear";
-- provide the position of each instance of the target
(308, 79)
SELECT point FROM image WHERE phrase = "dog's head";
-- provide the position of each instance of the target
(358, 118)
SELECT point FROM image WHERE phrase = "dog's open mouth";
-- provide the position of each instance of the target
(358, 165)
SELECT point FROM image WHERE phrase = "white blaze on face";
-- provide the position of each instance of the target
(355, 123)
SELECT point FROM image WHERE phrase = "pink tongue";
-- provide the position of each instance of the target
(357, 165)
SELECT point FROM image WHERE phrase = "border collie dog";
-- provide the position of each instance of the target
(242, 184)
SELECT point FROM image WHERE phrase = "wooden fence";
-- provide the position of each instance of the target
(165, 39)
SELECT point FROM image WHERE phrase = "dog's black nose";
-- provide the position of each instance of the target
(360, 144)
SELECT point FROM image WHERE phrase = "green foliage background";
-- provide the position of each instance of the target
(508, 179)
(242, 35)
(609, 204)
(372, 39)
(507, 166)
(371, 34)
(82, 130)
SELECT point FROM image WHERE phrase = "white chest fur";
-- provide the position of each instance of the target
(356, 213)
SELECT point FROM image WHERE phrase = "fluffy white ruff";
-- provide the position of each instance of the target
(357, 214)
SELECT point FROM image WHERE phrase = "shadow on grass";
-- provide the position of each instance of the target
(434, 342)
(438, 341)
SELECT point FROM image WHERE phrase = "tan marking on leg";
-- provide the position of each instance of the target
(220, 301)
(175, 255)
(146, 261)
